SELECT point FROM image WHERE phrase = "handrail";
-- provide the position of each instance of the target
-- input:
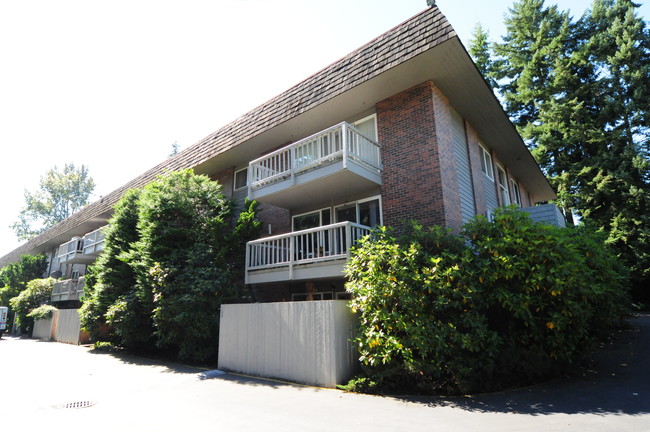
(325, 243)
(68, 287)
(69, 249)
(339, 142)
(94, 241)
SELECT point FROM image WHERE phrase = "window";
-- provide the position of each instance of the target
(311, 220)
(486, 163)
(503, 186)
(241, 178)
(516, 195)
(368, 126)
(365, 212)
(316, 296)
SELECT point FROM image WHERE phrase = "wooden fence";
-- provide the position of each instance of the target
(304, 342)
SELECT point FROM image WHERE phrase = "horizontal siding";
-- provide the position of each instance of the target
(490, 193)
(463, 169)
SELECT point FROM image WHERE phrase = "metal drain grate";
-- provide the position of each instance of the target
(79, 404)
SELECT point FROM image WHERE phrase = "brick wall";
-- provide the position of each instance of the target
(225, 179)
(279, 219)
(411, 181)
(448, 167)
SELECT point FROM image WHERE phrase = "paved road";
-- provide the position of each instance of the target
(132, 394)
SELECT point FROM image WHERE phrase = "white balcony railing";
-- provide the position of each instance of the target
(341, 142)
(314, 245)
(68, 251)
(94, 241)
(69, 289)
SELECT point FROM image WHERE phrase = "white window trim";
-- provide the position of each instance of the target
(516, 192)
(234, 179)
(504, 190)
(365, 119)
(488, 163)
(361, 201)
(320, 216)
(333, 218)
(314, 294)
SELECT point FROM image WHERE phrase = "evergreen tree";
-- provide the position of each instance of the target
(480, 50)
(111, 296)
(578, 92)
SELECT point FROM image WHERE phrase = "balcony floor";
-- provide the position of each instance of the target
(309, 271)
(322, 184)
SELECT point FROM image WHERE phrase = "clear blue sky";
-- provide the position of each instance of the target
(113, 84)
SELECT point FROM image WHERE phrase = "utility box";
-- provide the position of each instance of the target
(3, 319)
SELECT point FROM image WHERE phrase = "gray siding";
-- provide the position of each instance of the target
(490, 193)
(464, 172)
(547, 214)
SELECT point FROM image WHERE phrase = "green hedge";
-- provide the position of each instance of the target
(37, 293)
(509, 302)
(174, 253)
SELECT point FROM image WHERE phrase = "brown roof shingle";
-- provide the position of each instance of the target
(416, 35)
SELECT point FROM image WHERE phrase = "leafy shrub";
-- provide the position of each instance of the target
(112, 308)
(37, 293)
(14, 278)
(509, 302)
(173, 255)
(42, 312)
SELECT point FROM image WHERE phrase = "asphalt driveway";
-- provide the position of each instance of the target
(41, 381)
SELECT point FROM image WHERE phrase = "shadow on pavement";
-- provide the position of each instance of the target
(169, 367)
(617, 383)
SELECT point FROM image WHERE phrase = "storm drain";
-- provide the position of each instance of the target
(78, 404)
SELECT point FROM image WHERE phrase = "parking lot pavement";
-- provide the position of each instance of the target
(42, 379)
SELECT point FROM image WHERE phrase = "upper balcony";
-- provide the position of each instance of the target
(69, 289)
(317, 168)
(94, 242)
(314, 253)
(72, 253)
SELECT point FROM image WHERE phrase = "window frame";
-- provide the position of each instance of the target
(320, 217)
(365, 119)
(333, 211)
(486, 162)
(357, 212)
(234, 180)
(516, 192)
(504, 191)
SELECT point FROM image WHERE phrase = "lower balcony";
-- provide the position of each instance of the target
(314, 253)
(69, 289)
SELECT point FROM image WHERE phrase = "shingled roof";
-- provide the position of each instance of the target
(415, 36)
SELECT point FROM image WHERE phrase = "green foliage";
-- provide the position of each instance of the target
(511, 302)
(579, 94)
(111, 284)
(15, 276)
(172, 257)
(42, 312)
(37, 293)
(60, 194)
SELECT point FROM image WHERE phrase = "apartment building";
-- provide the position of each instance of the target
(404, 128)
